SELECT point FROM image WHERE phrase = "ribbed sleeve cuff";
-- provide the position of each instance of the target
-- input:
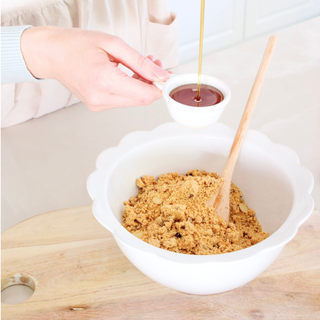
(13, 66)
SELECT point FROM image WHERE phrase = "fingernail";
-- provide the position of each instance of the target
(161, 74)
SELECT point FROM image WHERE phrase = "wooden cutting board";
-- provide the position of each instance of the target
(80, 273)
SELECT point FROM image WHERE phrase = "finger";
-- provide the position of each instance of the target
(158, 63)
(134, 89)
(151, 57)
(132, 59)
(139, 90)
(110, 101)
(136, 76)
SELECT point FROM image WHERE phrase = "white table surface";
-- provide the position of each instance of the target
(46, 161)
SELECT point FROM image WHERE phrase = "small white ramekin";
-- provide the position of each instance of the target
(194, 117)
(273, 182)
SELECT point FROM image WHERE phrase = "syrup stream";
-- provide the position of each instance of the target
(200, 52)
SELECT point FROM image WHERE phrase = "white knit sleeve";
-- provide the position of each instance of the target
(13, 66)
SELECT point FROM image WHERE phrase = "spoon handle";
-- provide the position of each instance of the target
(220, 200)
(248, 111)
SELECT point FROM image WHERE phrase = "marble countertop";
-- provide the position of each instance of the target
(46, 161)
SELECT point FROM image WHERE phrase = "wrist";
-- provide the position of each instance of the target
(35, 48)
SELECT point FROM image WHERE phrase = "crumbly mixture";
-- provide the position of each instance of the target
(171, 214)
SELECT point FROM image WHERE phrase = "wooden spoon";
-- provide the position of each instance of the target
(220, 200)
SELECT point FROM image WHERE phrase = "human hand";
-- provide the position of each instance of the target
(86, 62)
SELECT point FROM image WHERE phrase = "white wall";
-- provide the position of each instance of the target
(229, 22)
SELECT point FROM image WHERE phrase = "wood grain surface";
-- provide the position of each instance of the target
(80, 273)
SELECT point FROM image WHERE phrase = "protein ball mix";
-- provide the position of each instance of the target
(171, 214)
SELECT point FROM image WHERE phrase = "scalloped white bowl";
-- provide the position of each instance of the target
(272, 181)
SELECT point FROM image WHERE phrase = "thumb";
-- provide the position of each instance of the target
(135, 61)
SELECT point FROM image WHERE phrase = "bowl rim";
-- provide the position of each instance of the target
(106, 162)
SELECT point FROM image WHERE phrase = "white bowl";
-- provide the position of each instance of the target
(272, 181)
(193, 117)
